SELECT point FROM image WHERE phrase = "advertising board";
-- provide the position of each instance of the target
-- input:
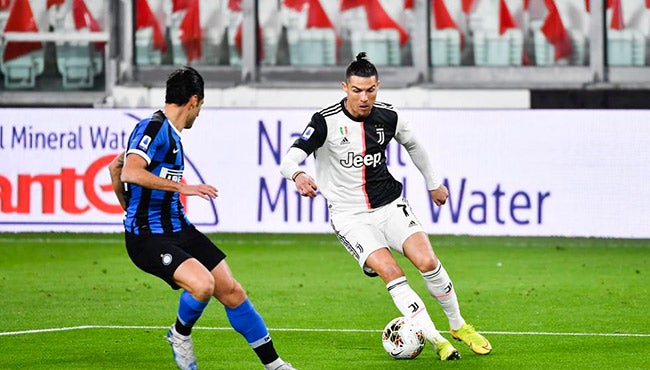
(509, 172)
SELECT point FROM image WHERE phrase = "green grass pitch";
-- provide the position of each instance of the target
(75, 301)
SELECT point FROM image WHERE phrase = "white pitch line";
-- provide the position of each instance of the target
(322, 330)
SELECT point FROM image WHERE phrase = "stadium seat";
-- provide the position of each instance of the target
(4, 15)
(78, 63)
(24, 60)
(382, 46)
(178, 52)
(234, 59)
(21, 72)
(185, 34)
(625, 47)
(492, 49)
(445, 47)
(2, 47)
(270, 40)
(544, 51)
(211, 48)
(145, 53)
(312, 46)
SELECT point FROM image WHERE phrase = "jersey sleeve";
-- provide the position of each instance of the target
(146, 139)
(403, 131)
(313, 136)
(405, 136)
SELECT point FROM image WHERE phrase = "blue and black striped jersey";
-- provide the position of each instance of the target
(152, 211)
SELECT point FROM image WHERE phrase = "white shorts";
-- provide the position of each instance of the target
(362, 233)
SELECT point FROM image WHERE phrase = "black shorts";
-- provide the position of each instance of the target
(161, 254)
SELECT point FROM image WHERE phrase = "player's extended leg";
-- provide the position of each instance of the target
(408, 302)
(198, 283)
(417, 248)
(244, 318)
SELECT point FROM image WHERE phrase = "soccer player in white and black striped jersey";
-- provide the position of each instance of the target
(367, 210)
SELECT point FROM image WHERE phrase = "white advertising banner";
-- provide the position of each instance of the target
(509, 172)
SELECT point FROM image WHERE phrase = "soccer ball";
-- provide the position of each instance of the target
(402, 339)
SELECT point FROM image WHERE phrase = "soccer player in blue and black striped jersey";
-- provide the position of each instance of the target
(162, 241)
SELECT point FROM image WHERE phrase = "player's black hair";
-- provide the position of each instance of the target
(182, 84)
(361, 67)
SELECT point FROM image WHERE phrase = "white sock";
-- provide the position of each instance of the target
(439, 285)
(412, 307)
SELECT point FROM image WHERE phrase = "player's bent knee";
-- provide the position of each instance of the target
(202, 287)
(390, 272)
(230, 295)
(428, 264)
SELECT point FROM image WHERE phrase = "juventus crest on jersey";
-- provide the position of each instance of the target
(351, 153)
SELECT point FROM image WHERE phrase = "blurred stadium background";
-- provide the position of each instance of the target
(433, 53)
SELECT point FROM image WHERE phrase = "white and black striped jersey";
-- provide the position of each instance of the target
(350, 155)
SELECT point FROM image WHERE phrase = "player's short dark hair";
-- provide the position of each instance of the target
(361, 67)
(182, 84)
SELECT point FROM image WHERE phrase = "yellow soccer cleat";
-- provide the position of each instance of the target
(446, 351)
(476, 342)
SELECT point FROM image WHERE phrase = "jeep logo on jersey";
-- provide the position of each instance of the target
(358, 160)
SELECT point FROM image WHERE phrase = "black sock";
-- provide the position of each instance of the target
(266, 353)
(182, 329)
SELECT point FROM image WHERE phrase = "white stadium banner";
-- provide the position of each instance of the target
(509, 172)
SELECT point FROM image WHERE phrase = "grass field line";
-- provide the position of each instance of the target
(316, 330)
